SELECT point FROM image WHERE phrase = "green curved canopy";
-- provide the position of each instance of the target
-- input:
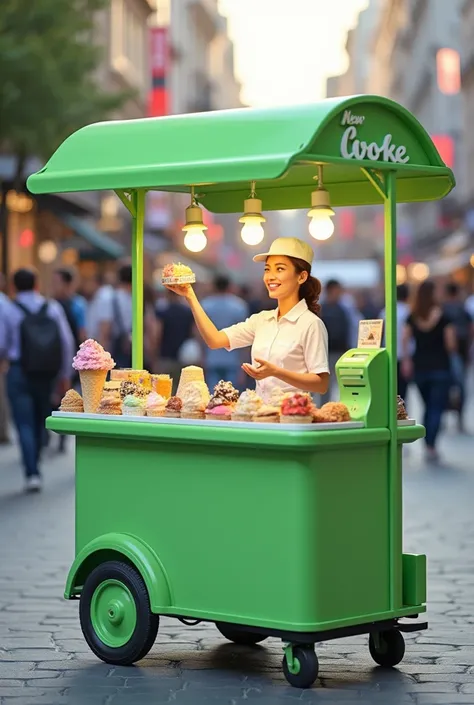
(221, 152)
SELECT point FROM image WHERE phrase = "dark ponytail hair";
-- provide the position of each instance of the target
(310, 290)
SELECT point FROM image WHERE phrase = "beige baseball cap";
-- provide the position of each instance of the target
(289, 247)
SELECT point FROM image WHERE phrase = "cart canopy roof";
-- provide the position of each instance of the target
(278, 148)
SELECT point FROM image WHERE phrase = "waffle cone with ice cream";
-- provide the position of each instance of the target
(92, 362)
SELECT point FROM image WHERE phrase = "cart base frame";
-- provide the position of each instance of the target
(315, 637)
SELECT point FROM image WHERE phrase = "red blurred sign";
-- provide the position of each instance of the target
(347, 224)
(26, 239)
(158, 100)
(445, 146)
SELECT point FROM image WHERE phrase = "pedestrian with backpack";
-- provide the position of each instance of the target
(36, 341)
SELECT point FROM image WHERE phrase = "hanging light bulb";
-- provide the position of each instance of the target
(321, 227)
(252, 232)
(195, 240)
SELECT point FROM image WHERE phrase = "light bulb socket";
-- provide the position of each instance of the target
(252, 209)
(320, 203)
(193, 218)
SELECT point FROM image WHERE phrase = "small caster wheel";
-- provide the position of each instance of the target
(115, 614)
(239, 636)
(387, 648)
(304, 669)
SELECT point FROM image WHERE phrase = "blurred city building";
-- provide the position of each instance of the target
(467, 77)
(90, 230)
(194, 72)
(412, 51)
(360, 230)
(174, 57)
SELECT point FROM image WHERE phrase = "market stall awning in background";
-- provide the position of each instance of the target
(104, 245)
(221, 152)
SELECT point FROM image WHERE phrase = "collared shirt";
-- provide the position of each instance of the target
(109, 306)
(11, 317)
(297, 342)
(224, 310)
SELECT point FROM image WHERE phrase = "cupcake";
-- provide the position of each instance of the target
(277, 395)
(297, 408)
(401, 410)
(155, 405)
(93, 363)
(127, 387)
(72, 402)
(195, 399)
(110, 404)
(173, 408)
(111, 387)
(219, 412)
(133, 406)
(332, 412)
(247, 406)
(267, 413)
(226, 391)
(222, 403)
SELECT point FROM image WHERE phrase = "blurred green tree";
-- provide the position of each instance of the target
(49, 53)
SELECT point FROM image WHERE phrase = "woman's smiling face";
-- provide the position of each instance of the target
(280, 277)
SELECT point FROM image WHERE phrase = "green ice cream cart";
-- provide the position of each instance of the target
(266, 531)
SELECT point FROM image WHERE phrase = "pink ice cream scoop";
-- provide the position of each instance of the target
(221, 410)
(92, 356)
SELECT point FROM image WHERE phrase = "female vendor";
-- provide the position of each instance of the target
(289, 343)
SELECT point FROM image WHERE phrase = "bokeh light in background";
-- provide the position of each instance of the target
(418, 272)
(27, 238)
(69, 257)
(47, 251)
(401, 274)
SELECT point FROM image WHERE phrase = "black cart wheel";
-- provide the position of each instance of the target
(115, 614)
(389, 649)
(239, 636)
(305, 667)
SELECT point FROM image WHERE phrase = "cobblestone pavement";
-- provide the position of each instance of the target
(45, 661)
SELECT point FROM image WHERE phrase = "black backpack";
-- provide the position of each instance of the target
(40, 340)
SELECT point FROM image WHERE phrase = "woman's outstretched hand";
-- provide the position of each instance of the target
(185, 290)
(265, 369)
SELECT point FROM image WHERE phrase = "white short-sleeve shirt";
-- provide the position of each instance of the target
(297, 342)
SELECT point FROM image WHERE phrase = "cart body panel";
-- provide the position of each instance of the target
(268, 523)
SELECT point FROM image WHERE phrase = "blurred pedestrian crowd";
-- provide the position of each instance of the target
(39, 336)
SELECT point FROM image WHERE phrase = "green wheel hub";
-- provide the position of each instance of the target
(113, 613)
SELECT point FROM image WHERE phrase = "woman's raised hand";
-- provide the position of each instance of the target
(185, 290)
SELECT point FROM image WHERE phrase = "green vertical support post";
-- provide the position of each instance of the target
(138, 200)
(395, 478)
